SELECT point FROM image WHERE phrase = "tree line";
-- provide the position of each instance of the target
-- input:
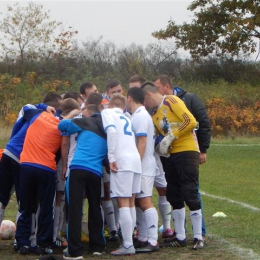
(40, 55)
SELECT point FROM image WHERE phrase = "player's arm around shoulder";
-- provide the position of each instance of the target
(68, 127)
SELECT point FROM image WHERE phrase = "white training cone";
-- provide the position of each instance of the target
(219, 215)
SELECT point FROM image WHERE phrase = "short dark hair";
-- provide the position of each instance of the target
(112, 83)
(164, 79)
(92, 107)
(73, 94)
(85, 86)
(94, 99)
(52, 99)
(137, 94)
(137, 78)
(148, 86)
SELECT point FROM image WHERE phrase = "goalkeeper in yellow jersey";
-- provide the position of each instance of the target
(179, 152)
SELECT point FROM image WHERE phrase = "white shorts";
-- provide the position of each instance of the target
(146, 187)
(60, 183)
(124, 184)
(160, 181)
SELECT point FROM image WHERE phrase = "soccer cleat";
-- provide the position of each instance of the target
(148, 249)
(60, 242)
(24, 250)
(16, 246)
(113, 236)
(66, 256)
(98, 253)
(140, 244)
(84, 237)
(41, 250)
(124, 251)
(197, 244)
(168, 233)
(98, 250)
(174, 242)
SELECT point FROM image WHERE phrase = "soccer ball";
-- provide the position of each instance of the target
(7, 229)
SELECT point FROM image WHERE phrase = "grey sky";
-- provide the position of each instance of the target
(122, 22)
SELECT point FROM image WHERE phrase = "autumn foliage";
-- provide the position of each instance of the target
(232, 119)
(228, 115)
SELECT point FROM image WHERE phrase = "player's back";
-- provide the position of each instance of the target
(42, 142)
(126, 153)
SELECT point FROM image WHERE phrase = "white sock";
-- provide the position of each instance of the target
(179, 223)
(196, 220)
(61, 219)
(116, 212)
(125, 222)
(141, 226)
(109, 214)
(64, 222)
(165, 210)
(133, 216)
(151, 220)
(56, 222)
(2, 213)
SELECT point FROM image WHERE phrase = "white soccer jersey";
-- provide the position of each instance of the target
(124, 151)
(73, 144)
(143, 126)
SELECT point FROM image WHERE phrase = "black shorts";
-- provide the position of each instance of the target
(182, 174)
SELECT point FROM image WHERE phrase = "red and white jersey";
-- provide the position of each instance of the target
(123, 148)
(143, 126)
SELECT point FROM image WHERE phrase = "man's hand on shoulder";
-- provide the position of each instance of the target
(50, 109)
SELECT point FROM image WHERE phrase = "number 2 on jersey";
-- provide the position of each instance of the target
(126, 126)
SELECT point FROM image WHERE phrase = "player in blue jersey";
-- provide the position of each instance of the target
(86, 169)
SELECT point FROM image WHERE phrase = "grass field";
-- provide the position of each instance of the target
(230, 183)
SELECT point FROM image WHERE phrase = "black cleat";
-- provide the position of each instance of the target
(140, 244)
(113, 236)
(174, 242)
(148, 249)
(197, 244)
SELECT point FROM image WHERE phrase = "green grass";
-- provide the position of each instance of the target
(231, 172)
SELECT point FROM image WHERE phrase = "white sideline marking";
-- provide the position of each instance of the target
(235, 145)
(242, 253)
(230, 201)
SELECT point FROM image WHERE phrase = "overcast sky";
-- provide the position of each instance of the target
(122, 22)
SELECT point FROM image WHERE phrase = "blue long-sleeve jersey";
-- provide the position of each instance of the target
(91, 148)
(15, 144)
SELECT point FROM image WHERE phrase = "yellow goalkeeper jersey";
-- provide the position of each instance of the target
(173, 116)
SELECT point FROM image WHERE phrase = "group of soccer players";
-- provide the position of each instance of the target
(113, 150)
